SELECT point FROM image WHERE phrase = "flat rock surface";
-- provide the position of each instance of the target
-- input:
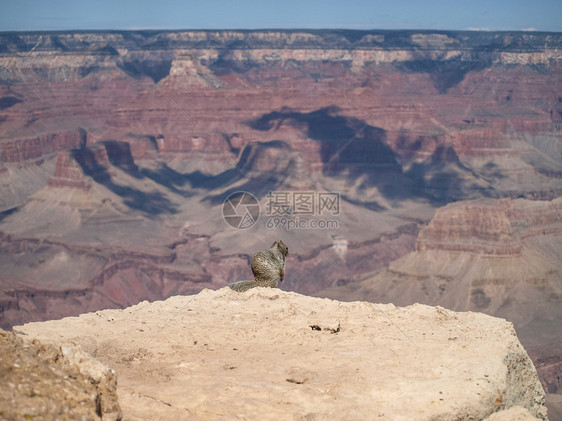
(270, 354)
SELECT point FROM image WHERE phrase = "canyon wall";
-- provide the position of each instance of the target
(443, 149)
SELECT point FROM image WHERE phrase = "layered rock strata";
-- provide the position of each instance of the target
(118, 149)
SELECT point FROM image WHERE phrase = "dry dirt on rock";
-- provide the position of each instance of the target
(269, 354)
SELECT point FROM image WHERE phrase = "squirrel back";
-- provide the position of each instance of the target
(267, 266)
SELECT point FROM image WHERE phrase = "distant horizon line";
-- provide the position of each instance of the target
(326, 29)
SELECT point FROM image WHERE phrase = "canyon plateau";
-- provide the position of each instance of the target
(442, 152)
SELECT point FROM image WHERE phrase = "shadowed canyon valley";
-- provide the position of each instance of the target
(442, 149)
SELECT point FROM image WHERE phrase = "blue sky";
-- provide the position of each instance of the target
(20, 15)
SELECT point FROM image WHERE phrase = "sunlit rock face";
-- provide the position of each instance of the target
(265, 343)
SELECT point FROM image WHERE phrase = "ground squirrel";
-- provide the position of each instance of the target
(267, 266)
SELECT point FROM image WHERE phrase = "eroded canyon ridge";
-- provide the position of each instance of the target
(118, 149)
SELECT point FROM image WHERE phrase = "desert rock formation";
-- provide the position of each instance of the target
(117, 150)
(270, 354)
(111, 138)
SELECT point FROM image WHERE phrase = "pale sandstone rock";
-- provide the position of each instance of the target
(270, 354)
(517, 413)
(42, 381)
(103, 377)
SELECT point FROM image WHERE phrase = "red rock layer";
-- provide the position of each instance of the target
(20, 150)
(68, 173)
(495, 228)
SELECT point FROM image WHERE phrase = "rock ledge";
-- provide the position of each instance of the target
(270, 354)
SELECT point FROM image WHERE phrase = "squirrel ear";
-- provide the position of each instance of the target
(281, 246)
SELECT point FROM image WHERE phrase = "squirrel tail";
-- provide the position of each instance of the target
(242, 286)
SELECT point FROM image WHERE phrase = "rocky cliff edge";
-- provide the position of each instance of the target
(46, 382)
(270, 354)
